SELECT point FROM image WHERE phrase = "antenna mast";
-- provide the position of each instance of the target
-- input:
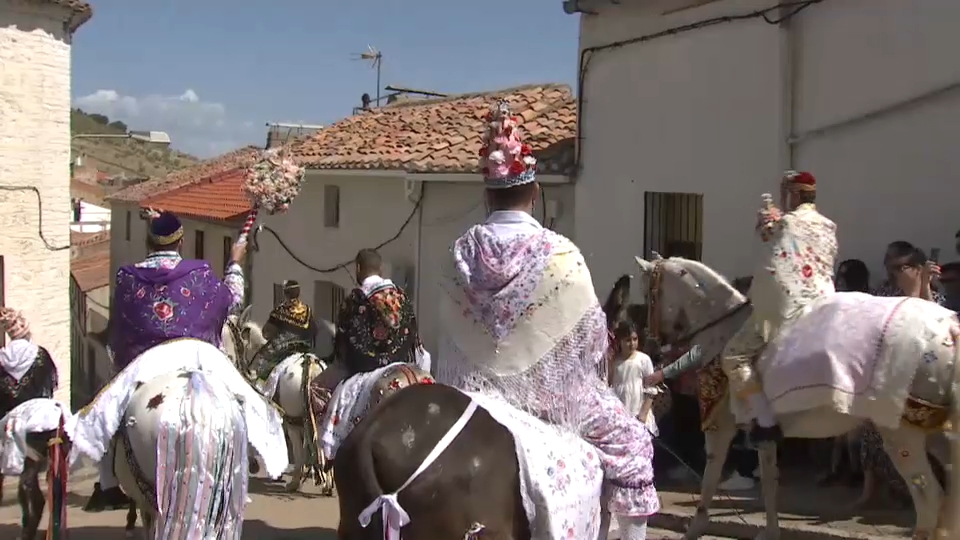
(376, 61)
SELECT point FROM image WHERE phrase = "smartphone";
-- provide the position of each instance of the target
(935, 255)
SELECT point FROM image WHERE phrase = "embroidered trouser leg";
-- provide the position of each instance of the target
(738, 362)
(625, 449)
(322, 387)
(107, 477)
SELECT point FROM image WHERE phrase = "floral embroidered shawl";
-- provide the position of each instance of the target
(154, 305)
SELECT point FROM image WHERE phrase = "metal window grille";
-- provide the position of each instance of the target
(673, 224)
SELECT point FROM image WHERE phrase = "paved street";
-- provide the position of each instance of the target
(273, 515)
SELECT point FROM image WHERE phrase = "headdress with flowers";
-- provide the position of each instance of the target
(504, 160)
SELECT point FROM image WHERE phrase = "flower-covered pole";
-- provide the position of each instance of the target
(271, 183)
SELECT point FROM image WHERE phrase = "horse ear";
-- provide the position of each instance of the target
(645, 266)
(244, 315)
(655, 256)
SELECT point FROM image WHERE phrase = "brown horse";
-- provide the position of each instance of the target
(472, 490)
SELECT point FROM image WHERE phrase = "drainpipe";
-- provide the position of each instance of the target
(788, 77)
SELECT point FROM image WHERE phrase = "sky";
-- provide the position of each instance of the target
(212, 73)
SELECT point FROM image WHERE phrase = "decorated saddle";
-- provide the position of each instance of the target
(26, 371)
(266, 360)
(879, 358)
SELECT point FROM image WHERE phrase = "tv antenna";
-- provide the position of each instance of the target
(375, 58)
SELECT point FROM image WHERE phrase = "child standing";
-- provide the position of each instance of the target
(628, 367)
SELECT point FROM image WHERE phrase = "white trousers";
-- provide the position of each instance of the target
(631, 527)
(107, 478)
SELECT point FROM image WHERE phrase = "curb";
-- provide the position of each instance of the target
(736, 527)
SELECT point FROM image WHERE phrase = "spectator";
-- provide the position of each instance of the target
(909, 273)
(853, 275)
(950, 281)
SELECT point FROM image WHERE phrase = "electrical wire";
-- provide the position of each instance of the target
(46, 243)
(344, 265)
(588, 52)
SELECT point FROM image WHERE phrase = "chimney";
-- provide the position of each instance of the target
(365, 101)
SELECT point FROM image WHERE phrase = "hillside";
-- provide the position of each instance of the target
(122, 156)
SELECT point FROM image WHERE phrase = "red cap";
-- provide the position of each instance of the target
(804, 178)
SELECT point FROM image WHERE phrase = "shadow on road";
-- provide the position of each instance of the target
(252, 529)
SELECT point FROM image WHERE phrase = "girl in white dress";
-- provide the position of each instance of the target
(628, 367)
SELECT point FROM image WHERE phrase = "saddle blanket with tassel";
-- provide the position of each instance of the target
(560, 474)
(92, 429)
(347, 407)
(33, 416)
(856, 354)
(268, 386)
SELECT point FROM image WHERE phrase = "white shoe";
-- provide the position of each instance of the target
(737, 483)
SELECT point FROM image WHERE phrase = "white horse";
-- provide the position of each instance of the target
(689, 302)
(288, 387)
(181, 456)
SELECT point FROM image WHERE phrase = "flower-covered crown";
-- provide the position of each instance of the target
(504, 160)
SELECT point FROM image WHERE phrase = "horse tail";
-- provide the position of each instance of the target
(952, 500)
(202, 463)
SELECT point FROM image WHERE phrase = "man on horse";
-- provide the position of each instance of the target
(26, 369)
(290, 329)
(798, 251)
(522, 320)
(162, 298)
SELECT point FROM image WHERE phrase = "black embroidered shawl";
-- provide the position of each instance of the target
(376, 331)
(38, 382)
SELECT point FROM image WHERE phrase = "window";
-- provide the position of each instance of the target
(198, 244)
(227, 249)
(277, 294)
(331, 206)
(126, 228)
(327, 300)
(673, 224)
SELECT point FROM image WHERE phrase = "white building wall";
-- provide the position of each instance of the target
(35, 151)
(93, 219)
(709, 111)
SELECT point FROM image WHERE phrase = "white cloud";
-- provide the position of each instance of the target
(195, 126)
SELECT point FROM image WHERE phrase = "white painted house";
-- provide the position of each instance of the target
(404, 176)
(688, 98)
(35, 38)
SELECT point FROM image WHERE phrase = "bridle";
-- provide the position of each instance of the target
(654, 313)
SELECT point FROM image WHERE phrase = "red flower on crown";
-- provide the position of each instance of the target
(484, 151)
(525, 150)
(517, 167)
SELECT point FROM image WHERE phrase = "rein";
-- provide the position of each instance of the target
(654, 313)
(240, 348)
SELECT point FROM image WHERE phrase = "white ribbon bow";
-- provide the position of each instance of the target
(394, 516)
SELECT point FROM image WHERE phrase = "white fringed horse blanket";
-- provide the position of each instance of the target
(33, 416)
(856, 354)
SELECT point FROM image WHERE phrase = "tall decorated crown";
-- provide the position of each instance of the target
(505, 161)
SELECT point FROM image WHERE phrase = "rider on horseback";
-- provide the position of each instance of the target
(163, 298)
(26, 369)
(522, 320)
(290, 329)
(796, 268)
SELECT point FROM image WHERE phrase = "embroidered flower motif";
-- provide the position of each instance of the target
(185, 292)
(379, 333)
(807, 271)
(163, 310)
(141, 292)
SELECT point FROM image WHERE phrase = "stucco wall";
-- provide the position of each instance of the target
(709, 111)
(35, 151)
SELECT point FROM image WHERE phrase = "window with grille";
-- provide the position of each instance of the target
(227, 249)
(198, 242)
(331, 206)
(277, 294)
(673, 224)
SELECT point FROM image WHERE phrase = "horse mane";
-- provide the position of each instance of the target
(617, 300)
(256, 338)
(712, 283)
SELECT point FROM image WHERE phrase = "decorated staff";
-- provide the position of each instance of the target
(271, 183)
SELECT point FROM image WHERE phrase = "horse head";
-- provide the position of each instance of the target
(686, 295)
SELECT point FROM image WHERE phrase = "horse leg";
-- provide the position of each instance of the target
(769, 481)
(31, 499)
(907, 448)
(717, 445)
(148, 524)
(131, 520)
(295, 433)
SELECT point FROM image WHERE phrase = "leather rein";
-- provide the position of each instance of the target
(654, 319)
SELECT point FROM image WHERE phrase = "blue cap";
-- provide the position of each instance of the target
(165, 229)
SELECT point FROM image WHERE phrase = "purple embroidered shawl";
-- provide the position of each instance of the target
(499, 274)
(154, 305)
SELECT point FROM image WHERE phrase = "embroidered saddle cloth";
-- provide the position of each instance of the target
(560, 473)
(92, 429)
(855, 353)
(32, 416)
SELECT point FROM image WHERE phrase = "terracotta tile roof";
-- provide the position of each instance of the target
(81, 10)
(82, 239)
(91, 268)
(443, 135)
(219, 197)
(240, 158)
